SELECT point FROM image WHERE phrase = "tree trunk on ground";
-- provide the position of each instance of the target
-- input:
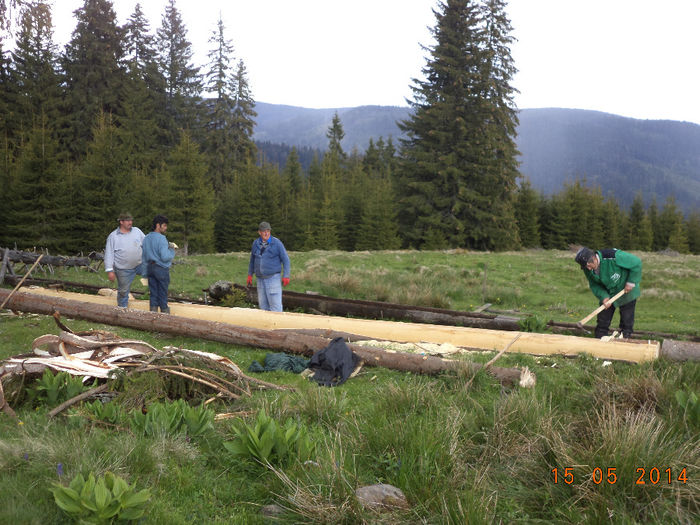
(16, 256)
(381, 310)
(278, 340)
(680, 350)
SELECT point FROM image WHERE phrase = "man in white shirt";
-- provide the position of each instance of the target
(123, 256)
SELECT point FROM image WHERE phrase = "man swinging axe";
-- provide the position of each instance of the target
(610, 272)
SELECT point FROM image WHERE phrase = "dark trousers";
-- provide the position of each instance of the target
(626, 320)
(158, 282)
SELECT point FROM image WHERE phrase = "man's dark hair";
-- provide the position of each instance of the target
(159, 219)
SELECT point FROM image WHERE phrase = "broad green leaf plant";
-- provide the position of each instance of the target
(269, 442)
(100, 501)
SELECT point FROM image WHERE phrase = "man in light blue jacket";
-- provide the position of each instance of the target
(158, 255)
(268, 259)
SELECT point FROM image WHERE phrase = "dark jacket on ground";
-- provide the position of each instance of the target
(333, 365)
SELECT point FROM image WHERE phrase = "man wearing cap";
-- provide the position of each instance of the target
(268, 259)
(608, 272)
(123, 256)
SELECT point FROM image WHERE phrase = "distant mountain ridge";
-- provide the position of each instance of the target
(622, 155)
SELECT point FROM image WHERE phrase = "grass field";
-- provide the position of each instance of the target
(617, 443)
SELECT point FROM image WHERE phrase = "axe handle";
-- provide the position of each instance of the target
(601, 307)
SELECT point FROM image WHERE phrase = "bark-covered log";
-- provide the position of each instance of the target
(278, 340)
(381, 310)
(680, 350)
(16, 256)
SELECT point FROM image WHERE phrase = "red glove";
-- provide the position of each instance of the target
(249, 280)
(285, 281)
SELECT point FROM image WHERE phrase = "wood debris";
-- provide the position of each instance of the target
(99, 355)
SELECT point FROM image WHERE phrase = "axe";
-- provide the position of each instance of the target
(600, 309)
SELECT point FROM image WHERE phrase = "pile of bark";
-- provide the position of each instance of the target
(99, 355)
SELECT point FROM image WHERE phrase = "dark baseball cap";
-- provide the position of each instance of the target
(583, 256)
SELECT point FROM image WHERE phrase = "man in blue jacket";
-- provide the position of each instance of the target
(158, 254)
(268, 259)
(608, 272)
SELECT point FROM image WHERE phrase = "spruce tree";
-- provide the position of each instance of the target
(35, 217)
(289, 229)
(35, 100)
(220, 82)
(668, 221)
(143, 95)
(378, 226)
(526, 215)
(371, 162)
(577, 213)
(191, 209)
(612, 221)
(353, 197)
(139, 50)
(94, 76)
(552, 223)
(693, 232)
(678, 238)
(639, 233)
(183, 85)
(335, 135)
(239, 210)
(327, 211)
(656, 230)
(594, 229)
(100, 186)
(244, 117)
(458, 166)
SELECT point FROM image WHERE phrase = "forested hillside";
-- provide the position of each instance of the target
(624, 156)
(122, 119)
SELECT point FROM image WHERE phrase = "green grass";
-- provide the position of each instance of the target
(478, 455)
(546, 283)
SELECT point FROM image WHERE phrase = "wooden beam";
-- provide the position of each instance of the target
(472, 338)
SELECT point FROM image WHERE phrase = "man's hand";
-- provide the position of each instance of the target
(172, 245)
(629, 287)
(285, 281)
(111, 276)
(249, 280)
(607, 303)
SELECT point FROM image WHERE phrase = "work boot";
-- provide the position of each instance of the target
(165, 310)
(154, 308)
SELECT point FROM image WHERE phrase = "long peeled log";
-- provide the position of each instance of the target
(278, 340)
(459, 336)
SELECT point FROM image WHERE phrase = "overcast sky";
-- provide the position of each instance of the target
(635, 58)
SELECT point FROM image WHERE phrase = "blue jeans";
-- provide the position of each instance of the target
(158, 282)
(124, 280)
(270, 293)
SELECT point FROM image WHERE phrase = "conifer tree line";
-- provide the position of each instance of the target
(122, 119)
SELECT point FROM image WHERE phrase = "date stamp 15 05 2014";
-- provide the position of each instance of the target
(609, 475)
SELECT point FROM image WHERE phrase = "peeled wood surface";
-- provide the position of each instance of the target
(104, 310)
(473, 338)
